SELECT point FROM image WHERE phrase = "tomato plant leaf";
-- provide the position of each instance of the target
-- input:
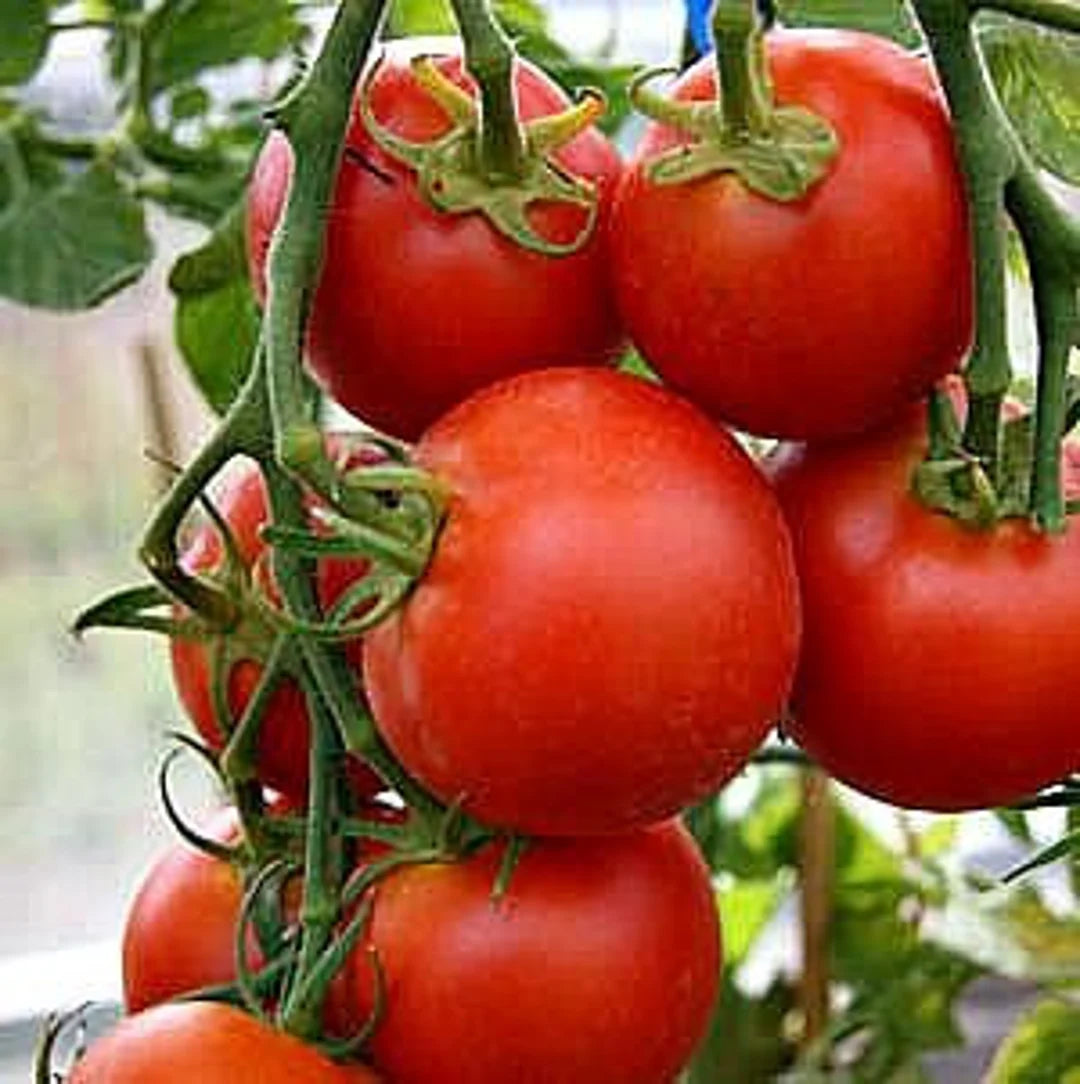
(24, 40)
(746, 906)
(1043, 1048)
(746, 1042)
(1016, 824)
(187, 39)
(217, 319)
(415, 17)
(1072, 402)
(72, 244)
(1037, 74)
(1009, 931)
(889, 18)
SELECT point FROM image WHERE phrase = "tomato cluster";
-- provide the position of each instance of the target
(620, 603)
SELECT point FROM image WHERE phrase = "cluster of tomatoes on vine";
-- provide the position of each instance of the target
(619, 603)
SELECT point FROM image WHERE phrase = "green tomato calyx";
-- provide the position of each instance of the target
(780, 152)
(453, 178)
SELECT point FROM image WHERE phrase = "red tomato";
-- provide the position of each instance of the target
(938, 665)
(417, 309)
(210, 1044)
(283, 740)
(819, 317)
(181, 928)
(609, 623)
(601, 963)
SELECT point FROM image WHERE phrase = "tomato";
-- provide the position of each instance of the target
(609, 622)
(180, 933)
(181, 928)
(282, 758)
(601, 962)
(416, 309)
(208, 1043)
(938, 667)
(819, 317)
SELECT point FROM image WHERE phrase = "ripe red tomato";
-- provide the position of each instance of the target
(282, 758)
(181, 927)
(609, 623)
(820, 317)
(208, 1043)
(938, 665)
(417, 309)
(601, 962)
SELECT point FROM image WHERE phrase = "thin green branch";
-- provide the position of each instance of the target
(240, 432)
(314, 117)
(489, 58)
(988, 157)
(1046, 230)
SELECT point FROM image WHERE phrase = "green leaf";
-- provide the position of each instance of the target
(1043, 1048)
(217, 319)
(889, 18)
(1009, 931)
(746, 906)
(1016, 824)
(746, 1042)
(1037, 74)
(1066, 847)
(189, 38)
(756, 842)
(1073, 828)
(410, 18)
(24, 40)
(71, 244)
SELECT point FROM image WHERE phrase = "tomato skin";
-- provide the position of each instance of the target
(417, 309)
(821, 317)
(938, 667)
(180, 931)
(601, 962)
(208, 1043)
(610, 619)
(282, 757)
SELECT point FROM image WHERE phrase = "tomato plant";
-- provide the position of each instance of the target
(490, 307)
(523, 987)
(822, 315)
(609, 623)
(211, 1043)
(282, 748)
(917, 682)
(572, 608)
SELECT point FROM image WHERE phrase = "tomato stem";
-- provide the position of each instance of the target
(1052, 243)
(745, 95)
(489, 58)
(1000, 178)
(1056, 14)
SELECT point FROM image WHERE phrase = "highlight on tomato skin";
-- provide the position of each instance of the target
(600, 962)
(208, 1043)
(821, 317)
(490, 307)
(616, 580)
(918, 682)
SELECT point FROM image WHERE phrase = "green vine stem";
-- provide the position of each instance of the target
(313, 117)
(489, 58)
(744, 99)
(1056, 14)
(1000, 177)
(241, 431)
